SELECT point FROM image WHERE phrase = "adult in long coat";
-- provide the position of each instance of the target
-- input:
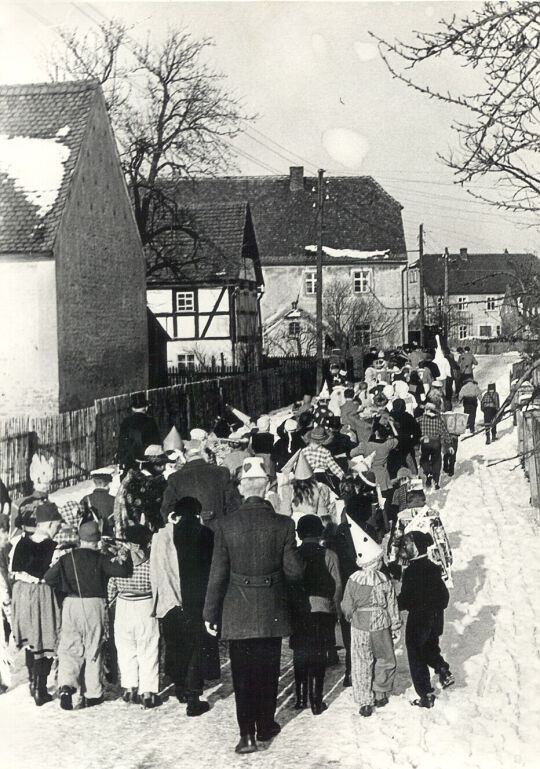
(210, 484)
(137, 431)
(254, 560)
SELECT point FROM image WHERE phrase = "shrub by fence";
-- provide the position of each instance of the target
(85, 439)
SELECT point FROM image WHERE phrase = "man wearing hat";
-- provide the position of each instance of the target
(82, 576)
(179, 567)
(137, 431)
(425, 596)
(35, 607)
(254, 559)
(210, 484)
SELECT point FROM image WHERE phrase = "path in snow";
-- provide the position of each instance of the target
(490, 718)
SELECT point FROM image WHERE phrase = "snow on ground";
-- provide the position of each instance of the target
(489, 718)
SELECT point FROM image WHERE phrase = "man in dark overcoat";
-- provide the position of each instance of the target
(137, 431)
(254, 560)
(210, 484)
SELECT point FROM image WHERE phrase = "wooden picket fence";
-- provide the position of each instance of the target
(82, 440)
(528, 424)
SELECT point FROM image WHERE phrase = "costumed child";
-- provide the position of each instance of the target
(314, 637)
(370, 605)
(490, 405)
(425, 596)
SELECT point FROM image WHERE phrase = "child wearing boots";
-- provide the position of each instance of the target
(425, 596)
(370, 605)
(490, 405)
(314, 635)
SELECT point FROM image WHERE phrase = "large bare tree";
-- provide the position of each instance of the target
(498, 136)
(173, 117)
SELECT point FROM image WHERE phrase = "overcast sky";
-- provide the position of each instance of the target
(313, 76)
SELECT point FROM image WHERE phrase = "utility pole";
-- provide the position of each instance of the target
(319, 294)
(446, 305)
(421, 284)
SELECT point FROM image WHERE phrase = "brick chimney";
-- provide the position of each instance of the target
(296, 178)
(463, 255)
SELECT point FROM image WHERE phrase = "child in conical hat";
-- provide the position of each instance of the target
(370, 605)
(303, 494)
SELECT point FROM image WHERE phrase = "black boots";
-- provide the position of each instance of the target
(301, 682)
(427, 701)
(38, 685)
(247, 744)
(196, 707)
(315, 685)
(66, 701)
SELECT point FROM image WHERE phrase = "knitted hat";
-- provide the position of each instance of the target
(138, 534)
(309, 526)
(173, 440)
(303, 469)
(404, 472)
(47, 512)
(253, 467)
(188, 506)
(422, 540)
(89, 532)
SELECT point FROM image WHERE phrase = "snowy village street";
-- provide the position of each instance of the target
(489, 718)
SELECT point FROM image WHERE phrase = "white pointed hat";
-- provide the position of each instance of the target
(173, 440)
(365, 548)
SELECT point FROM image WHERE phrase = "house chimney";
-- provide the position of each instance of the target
(296, 178)
(463, 254)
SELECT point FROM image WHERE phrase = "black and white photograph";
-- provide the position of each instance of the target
(269, 384)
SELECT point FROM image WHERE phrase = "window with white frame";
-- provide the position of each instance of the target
(311, 282)
(462, 303)
(294, 328)
(484, 330)
(462, 332)
(185, 301)
(490, 303)
(361, 281)
(186, 360)
(413, 276)
(362, 334)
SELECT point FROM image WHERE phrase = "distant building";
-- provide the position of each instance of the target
(72, 272)
(206, 292)
(363, 238)
(487, 293)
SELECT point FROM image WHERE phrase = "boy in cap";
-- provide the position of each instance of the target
(136, 629)
(490, 405)
(370, 605)
(313, 637)
(425, 596)
(35, 607)
(82, 576)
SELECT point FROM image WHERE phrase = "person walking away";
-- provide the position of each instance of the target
(325, 467)
(254, 560)
(408, 435)
(35, 607)
(210, 484)
(469, 395)
(313, 637)
(490, 405)
(370, 605)
(339, 445)
(305, 495)
(140, 495)
(239, 441)
(136, 630)
(179, 569)
(99, 504)
(82, 576)
(288, 443)
(425, 596)
(137, 431)
(23, 511)
(435, 439)
(466, 363)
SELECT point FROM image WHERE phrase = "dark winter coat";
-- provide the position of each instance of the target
(281, 454)
(84, 573)
(137, 431)
(99, 505)
(254, 559)
(194, 544)
(210, 484)
(409, 432)
(422, 589)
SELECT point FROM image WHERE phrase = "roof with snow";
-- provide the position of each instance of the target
(218, 245)
(41, 131)
(478, 273)
(359, 215)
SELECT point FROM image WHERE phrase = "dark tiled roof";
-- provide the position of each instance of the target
(39, 111)
(478, 273)
(358, 213)
(224, 236)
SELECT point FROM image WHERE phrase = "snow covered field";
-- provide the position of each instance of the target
(489, 718)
